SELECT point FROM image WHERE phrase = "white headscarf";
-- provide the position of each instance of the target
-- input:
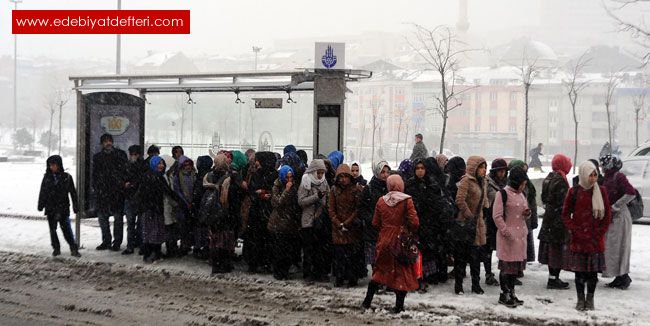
(597, 204)
(376, 170)
(311, 174)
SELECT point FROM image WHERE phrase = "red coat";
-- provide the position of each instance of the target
(388, 221)
(587, 232)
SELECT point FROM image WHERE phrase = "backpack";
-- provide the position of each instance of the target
(214, 210)
(636, 206)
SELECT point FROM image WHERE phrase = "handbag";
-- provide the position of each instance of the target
(636, 206)
(464, 232)
(405, 246)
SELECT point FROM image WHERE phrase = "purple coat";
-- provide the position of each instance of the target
(511, 237)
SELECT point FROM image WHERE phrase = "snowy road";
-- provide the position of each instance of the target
(110, 289)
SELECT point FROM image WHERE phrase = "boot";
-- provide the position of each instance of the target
(372, 289)
(556, 284)
(399, 302)
(506, 300)
(589, 302)
(476, 285)
(458, 286)
(514, 297)
(616, 282)
(625, 282)
(580, 290)
(490, 280)
(75, 253)
(56, 252)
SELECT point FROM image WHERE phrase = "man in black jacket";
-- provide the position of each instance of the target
(53, 197)
(135, 169)
(108, 177)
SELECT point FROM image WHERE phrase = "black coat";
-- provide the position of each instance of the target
(109, 174)
(135, 170)
(366, 211)
(554, 190)
(423, 193)
(151, 192)
(53, 196)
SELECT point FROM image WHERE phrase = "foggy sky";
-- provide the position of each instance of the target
(232, 26)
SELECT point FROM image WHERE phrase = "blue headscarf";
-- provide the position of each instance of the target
(284, 170)
(289, 149)
(336, 158)
(153, 164)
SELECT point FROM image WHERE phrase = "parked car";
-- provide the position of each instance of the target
(637, 170)
(643, 150)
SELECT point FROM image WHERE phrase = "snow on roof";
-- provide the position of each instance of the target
(156, 59)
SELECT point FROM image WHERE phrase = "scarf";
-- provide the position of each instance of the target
(597, 205)
(395, 193)
(376, 170)
(561, 164)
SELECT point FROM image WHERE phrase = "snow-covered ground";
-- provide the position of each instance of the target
(438, 306)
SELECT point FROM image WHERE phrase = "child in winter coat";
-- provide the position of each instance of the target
(53, 197)
(511, 238)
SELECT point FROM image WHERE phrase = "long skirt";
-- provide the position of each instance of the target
(618, 244)
(511, 267)
(153, 228)
(552, 254)
(223, 240)
(584, 262)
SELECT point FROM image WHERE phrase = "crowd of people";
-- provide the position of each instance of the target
(408, 226)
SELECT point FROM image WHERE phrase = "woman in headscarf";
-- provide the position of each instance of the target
(221, 225)
(346, 229)
(183, 185)
(200, 230)
(618, 241)
(420, 188)
(284, 223)
(394, 211)
(532, 222)
(587, 215)
(336, 158)
(238, 189)
(497, 180)
(369, 197)
(471, 199)
(553, 236)
(356, 174)
(445, 213)
(256, 243)
(312, 198)
(510, 211)
(601, 178)
(153, 188)
(455, 170)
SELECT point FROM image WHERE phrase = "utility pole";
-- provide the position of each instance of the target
(15, 98)
(256, 50)
(118, 56)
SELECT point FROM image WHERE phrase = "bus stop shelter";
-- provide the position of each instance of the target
(328, 87)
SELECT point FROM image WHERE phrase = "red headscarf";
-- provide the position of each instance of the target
(562, 165)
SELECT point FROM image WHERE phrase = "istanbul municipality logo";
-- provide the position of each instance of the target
(329, 59)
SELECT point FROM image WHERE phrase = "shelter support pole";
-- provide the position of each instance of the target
(81, 164)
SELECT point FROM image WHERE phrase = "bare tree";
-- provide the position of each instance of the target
(573, 87)
(639, 114)
(181, 107)
(441, 50)
(612, 84)
(376, 121)
(401, 116)
(639, 31)
(50, 106)
(62, 98)
(528, 70)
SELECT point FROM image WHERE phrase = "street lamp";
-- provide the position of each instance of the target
(257, 50)
(16, 2)
(118, 56)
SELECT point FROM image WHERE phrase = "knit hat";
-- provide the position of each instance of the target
(498, 164)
